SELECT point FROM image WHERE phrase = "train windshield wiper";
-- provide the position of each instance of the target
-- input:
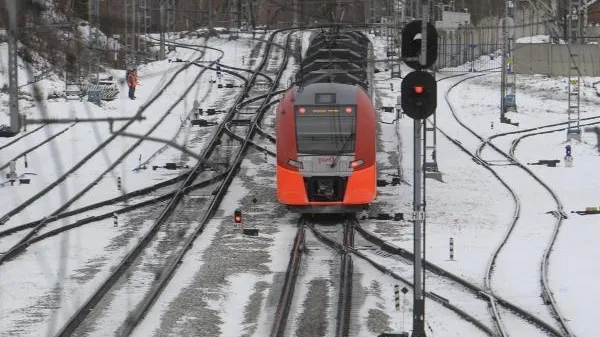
(341, 149)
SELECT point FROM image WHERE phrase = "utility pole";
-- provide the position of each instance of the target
(143, 23)
(576, 20)
(130, 37)
(162, 52)
(210, 22)
(234, 19)
(13, 91)
(295, 9)
(575, 37)
(93, 90)
(370, 15)
(171, 16)
(508, 86)
(94, 32)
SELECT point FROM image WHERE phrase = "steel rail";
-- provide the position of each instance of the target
(432, 296)
(345, 292)
(168, 272)
(90, 207)
(79, 316)
(546, 293)
(73, 169)
(291, 275)
(474, 289)
(516, 141)
(341, 248)
(134, 318)
(14, 140)
(107, 215)
(345, 289)
(61, 209)
(33, 148)
(223, 66)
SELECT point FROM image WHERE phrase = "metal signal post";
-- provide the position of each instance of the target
(419, 101)
(419, 220)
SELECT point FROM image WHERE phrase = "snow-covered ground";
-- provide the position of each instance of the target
(471, 206)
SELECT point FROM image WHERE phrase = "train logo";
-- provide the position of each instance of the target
(326, 160)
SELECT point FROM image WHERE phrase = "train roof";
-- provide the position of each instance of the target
(308, 95)
(336, 57)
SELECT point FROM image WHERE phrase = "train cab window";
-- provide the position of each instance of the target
(325, 130)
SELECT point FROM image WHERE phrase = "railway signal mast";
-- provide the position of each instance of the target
(575, 22)
(392, 36)
(508, 85)
(419, 101)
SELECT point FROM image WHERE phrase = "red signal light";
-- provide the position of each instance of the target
(419, 89)
(237, 216)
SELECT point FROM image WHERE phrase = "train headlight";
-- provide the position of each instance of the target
(356, 163)
(295, 164)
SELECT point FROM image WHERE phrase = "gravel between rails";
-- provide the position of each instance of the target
(229, 255)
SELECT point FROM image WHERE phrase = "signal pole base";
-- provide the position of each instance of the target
(432, 171)
(573, 134)
(419, 318)
(419, 333)
(505, 120)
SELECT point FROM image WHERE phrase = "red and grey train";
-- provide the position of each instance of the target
(326, 129)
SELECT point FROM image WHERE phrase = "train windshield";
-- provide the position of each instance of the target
(325, 130)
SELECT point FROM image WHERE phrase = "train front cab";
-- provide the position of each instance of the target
(326, 149)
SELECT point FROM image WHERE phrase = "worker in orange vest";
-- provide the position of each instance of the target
(132, 79)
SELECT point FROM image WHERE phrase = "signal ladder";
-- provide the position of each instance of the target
(573, 125)
(145, 22)
(430, 160)
(393, 39)
(574, 31)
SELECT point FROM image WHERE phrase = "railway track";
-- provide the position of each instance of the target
(546, 293)
(344, 301)
(155, 201)
(475, 290)
(301, 306)
(24, 135)
(33, 148)
(494, 301)
(126, 196)
(291, 276)
(345, 249)
(84, 160)
(40, 225)
(278, 330)
(167, 269)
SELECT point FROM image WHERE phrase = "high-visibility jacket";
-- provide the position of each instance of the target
(132, 78)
